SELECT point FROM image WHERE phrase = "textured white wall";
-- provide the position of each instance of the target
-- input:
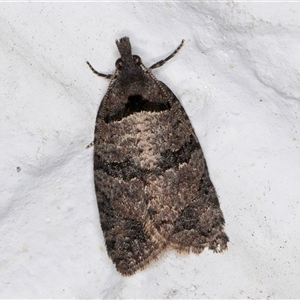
(238, 78)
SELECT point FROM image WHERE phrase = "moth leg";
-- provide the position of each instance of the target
(108, 76)
(163, 61)
(91, 144)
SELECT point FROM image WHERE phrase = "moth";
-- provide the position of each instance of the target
(151, 179)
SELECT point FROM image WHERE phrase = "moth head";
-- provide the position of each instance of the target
(135, 58)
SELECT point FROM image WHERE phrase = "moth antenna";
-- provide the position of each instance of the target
(108, 76)
(163, 61)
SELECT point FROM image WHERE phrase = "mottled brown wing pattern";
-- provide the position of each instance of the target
(151, 179)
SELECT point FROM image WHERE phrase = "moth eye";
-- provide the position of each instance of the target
(137, 59)
(119, 63)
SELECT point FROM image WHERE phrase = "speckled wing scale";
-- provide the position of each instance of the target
(152, 183)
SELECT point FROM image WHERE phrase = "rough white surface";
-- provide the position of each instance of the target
(238, 78)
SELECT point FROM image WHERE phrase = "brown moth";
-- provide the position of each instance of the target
(151, 179)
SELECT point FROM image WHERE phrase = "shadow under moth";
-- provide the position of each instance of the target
(151, 179)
